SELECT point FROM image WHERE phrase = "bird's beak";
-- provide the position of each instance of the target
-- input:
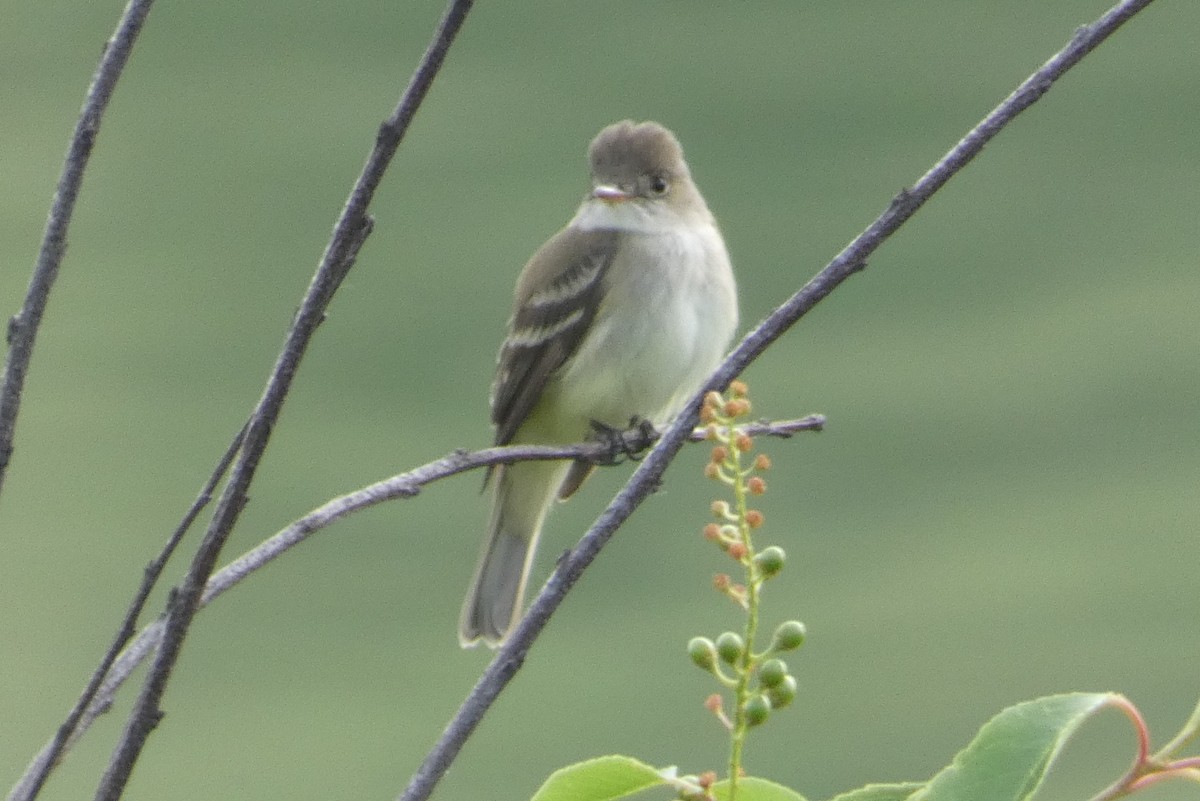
(610, 194)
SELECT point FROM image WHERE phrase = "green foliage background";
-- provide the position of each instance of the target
(1004, 503)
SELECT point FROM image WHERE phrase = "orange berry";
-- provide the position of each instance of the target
(762, 462)
(739, 389)
(756, 485)
(737, 407)
(754, 518)
(744, 442)
(712, 532)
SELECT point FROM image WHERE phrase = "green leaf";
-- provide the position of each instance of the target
(1009, 757)
(881, 792)
(752, 789)
(601, 779)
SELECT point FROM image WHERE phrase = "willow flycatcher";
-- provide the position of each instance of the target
(620, 315)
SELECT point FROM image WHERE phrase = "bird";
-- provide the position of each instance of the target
(619, 316)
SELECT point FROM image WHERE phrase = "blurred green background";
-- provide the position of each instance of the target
(1004, 503)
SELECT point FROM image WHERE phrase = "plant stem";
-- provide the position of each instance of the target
(745, 668)
(1189, 732)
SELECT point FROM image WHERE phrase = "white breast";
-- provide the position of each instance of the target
(663, 326)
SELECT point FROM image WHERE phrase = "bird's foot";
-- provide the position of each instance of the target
(631, 443)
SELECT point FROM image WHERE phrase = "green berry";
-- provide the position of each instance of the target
(772, 672)
(730, 647)
(757, 710)
(789, 636)
(703, 652)
(770, 561)
(783, 693)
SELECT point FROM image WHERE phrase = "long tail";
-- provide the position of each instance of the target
(522, 494)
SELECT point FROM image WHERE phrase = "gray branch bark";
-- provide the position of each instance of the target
(85, 710)
(23, 326)
(165, 638)
(117, 671)
(511, 655)
(349, 234)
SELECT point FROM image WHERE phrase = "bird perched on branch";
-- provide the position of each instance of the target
(620, 315)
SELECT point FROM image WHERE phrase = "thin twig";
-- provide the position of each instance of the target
(350, 233)
(23, 327)
(404, 485)
(35, 776)
(511, 655)
(410, 484)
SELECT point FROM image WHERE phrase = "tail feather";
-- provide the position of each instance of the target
(522, 494)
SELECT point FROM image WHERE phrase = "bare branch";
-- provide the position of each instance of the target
(350, 232)
(409, 484)
(100, 697)
(23, 327)
(48, 758)
(511, 655)
(352, 229)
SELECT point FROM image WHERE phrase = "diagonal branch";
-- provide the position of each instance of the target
(82, 714)
(511, 655)
(350, 232)
(23, 327)
(404, 485)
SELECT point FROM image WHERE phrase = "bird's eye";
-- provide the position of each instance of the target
(658, 185)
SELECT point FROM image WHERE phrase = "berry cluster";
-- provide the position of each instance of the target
(759, 680)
